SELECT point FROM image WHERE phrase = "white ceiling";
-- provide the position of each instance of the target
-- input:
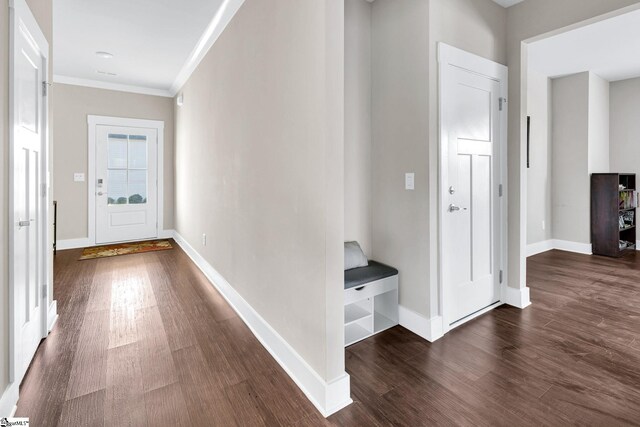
(507, 3)
(610, 49)
(151, 40)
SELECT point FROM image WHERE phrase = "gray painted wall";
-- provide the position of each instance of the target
(570, 158)
(357, 125)
(539, 173)
(598, 124)
(625, 126)
(260, 169)
(400, 144)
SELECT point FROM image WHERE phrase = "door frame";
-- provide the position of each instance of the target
(449, 55)
(92, 122)
(22, 18)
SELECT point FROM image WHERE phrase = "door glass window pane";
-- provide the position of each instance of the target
(117, 187)
(137, 186)
(137, 152)
(117, 155)
(127, 169)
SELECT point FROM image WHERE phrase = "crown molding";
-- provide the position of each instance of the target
(217, 25)
(75, 81)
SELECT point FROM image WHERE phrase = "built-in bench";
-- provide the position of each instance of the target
(370, 301)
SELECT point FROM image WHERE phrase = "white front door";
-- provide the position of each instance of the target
(126, 184)
(471, 139)
(28, 186)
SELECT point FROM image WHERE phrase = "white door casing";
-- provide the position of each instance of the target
(28, 199)
(473, 119)
(115, 145)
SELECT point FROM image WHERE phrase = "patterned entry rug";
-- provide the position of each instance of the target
(125, 249)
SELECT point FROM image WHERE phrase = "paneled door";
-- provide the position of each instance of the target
(28, 188)
(472, 115)
(126, 184)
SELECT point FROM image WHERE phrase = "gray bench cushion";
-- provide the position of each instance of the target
(362, 275)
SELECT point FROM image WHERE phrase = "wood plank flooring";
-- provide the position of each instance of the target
(145, 340)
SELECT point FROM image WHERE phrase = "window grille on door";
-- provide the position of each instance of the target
(127, 169)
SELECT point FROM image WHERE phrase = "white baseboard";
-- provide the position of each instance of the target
(52, 316)
(562, 245)
(429, 329)
(518, 297)
(328, 397)
(83, 242)
(539, 247)
(9, 400)
(579, 248)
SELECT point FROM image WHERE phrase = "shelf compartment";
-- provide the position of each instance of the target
(382, 322)
(356, 311)
(354, 333)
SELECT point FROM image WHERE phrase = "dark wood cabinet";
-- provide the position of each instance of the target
(613, 213)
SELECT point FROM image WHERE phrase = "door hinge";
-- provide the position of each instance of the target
(500, 276)
(45, 88)
(500, 190)
(501, 102)
(43, 189)
(45, 289)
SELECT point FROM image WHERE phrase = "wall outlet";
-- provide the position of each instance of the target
(409, 181)
(78, 177)
(204, 240)
(544, 226)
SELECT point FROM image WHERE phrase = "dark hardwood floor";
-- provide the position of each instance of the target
(146, 340)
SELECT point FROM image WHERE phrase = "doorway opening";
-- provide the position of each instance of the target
(473, 129)
(125, 179)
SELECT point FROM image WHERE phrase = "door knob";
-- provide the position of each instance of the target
(453, 208)
(24, 223)
(100, 193)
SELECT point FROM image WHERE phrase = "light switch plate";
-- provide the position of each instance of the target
(409, 181)
(78, 177)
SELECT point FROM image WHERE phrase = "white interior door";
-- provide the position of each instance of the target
(471, 126)
(28, 188)
(126, 184)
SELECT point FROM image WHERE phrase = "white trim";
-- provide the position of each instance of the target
(518, 297)
(92, 122)
(52, 315)
(579, 248)
(328, 397)
(449, 55)
(561, 245)
(9, 400)
(83, 242)
(217, 25)
(539, 247)
(429, 329)
(476, 314)
(22, 20)
(97, 84)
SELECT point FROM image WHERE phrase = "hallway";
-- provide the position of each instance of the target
(145, 340)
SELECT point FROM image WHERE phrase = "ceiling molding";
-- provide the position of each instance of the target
(217, 25)
(97, 84)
